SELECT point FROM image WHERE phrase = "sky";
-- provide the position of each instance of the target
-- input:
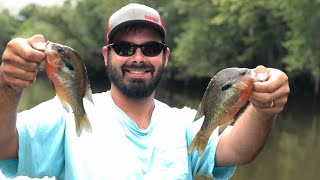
(16, 5)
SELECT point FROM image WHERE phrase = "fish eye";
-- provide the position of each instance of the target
(59, 49)
(243, 72)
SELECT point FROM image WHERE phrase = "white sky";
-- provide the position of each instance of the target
(16, 5)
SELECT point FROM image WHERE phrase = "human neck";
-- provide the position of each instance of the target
(138, 110)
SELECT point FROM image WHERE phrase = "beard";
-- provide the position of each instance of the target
(134, 88)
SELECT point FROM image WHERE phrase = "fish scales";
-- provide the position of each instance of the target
(226, 93)
(67, 71)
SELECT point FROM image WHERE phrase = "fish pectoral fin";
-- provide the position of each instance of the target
(223, 127)
(199, 112)
(88, 94)
(64, 104)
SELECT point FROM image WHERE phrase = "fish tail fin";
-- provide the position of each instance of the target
(198, 143)
(83, 123)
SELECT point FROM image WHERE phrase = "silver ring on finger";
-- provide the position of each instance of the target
(271, 104)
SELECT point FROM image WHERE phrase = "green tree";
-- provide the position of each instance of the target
(196, 53)
(204, 36)
(303, 45)
(223, 33)
(9, 25)
(259, 30)
(75, 25)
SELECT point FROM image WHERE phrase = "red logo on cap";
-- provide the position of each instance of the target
(150, 18)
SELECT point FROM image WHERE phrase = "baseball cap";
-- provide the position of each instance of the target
(133, 14)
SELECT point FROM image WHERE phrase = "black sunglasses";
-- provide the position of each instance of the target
(150, 48)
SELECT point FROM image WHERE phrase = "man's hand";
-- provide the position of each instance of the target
(21, 60)
(271, 94)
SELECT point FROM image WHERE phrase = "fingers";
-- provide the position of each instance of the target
(21, 60)
(275, 80)
(263, 72)
(14, 60)
(271, 95)
(27, 49)
(37, 42)
(277, 99)
(18, 83)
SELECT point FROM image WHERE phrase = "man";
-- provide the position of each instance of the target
(133, 135)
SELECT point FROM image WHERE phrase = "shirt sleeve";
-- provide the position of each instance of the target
(41, 142)
(205, 165)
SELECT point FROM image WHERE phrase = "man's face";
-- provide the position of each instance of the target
(138, 75)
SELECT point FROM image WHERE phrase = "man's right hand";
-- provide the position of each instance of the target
(21, 60)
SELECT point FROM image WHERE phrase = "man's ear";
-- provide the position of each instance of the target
(105, 54)
(167, 57)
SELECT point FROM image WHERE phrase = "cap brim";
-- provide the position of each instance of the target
(144, 22)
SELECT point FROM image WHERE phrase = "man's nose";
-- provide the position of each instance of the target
(138, 56)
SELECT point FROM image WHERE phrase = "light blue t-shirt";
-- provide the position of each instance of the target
(116, 148)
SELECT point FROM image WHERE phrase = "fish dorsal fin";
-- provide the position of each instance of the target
(199, 112)
(63, 103)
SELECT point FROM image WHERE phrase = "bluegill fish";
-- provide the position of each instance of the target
(227, 92)
(66, 70)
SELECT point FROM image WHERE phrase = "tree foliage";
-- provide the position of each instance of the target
(204, 36)
(8, 27)
(226, 33)
(303, 45)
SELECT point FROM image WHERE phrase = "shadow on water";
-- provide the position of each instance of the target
(292, 148)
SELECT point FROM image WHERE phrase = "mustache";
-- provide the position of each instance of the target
(144, 66)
